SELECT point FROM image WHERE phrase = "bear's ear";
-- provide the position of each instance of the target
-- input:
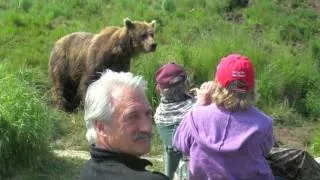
(153, 23)
(128, 23)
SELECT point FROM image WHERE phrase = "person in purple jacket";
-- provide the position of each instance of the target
(230, 138)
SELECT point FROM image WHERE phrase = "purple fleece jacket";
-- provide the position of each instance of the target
(225, 145)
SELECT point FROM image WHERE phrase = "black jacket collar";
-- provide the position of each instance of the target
(99, 154)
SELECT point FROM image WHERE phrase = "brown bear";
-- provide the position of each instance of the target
(77, 59)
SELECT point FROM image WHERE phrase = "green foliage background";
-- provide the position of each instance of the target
(25, 122)
(282, 38)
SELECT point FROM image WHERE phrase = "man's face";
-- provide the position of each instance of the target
(131, 127)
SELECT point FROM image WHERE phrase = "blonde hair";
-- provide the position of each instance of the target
(232, 100)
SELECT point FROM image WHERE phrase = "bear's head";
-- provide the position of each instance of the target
(141, 34)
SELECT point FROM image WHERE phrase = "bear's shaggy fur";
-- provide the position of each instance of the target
(77, 59)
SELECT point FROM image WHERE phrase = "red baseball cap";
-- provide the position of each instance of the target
(170, 74)
(236, 72)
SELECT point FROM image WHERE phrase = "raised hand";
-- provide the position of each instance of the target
(204, 93)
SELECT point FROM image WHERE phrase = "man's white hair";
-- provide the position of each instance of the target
(98, 103)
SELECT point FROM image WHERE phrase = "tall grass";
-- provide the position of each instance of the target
(25, 124)
(281, 38)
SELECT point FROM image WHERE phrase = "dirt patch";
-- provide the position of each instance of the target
(316, 5)
(73, 154)
(295, 137)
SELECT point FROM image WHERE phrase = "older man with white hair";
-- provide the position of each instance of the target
(118, 118)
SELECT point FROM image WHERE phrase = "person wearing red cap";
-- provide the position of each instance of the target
(175, 102)
(230, 138)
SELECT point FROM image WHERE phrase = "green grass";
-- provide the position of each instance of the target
(52, 167)
(315, 147)
(25, 123)
(281, 37)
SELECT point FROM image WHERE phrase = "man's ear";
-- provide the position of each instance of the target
(153, 24)
(101, 128)
(128, 23)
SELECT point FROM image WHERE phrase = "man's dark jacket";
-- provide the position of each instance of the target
(105, 165)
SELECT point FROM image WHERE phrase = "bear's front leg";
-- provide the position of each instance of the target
(58, 97)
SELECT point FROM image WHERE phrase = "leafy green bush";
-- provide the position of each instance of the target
(25, 125)
(168, 5)
(315, 51)
(296, 31)
(315, 145)
(280, 36)
(313, 103)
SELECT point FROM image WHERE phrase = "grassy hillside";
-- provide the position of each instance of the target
(281, 36)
